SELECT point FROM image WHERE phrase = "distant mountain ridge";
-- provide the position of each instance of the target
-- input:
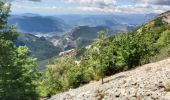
(30, 23)
(33, 23)
(109, 20)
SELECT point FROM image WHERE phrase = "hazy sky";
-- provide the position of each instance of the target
(89, 6)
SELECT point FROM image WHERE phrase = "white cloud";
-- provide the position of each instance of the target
(94, 3)
(21, 0)
(105, 6)
(90, 6)
(154, 2)
(111, 6)
(142, 8)
(94, 9)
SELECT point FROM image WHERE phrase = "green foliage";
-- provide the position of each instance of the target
(164, 39)
(62, 75)
(163, 44)
(75, 77)
(118, 53)
(17, 70)
(158, 22)
(110, 55)
(79, 52)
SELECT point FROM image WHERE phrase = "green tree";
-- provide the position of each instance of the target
(17, 70)
(100, 46)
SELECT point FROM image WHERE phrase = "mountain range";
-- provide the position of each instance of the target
(63, 32)
(78, 37)
(33, 23)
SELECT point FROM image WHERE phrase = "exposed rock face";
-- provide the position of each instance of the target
(66, 52)
(166, 17)
(148, 82)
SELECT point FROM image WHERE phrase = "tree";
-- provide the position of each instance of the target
(17, 70)
(101, 45)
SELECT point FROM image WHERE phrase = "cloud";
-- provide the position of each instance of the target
(154, 2)
(142, 8)
(90, 6)
(94, 3)
(94, 9)
(35, 0)
(21, 0)
(112, 6)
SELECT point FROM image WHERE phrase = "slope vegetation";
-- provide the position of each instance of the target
(148, 82)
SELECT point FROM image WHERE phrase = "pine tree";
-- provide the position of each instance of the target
(17, 70)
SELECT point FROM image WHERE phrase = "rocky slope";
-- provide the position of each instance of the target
(148, 82)
(79, 36)
(166, 17)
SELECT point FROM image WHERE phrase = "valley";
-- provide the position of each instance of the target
(63, 32)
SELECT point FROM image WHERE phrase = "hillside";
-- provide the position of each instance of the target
(79, 36)
(38, 46)
(158, 30)
(166, 16)
(109, 55)
(148, 82)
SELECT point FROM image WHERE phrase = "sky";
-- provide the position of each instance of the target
(52, 7)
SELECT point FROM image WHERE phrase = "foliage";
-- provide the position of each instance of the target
(17, 70)
(61, 76)
(158, 22)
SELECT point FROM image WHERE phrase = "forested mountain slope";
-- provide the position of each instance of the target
(38, 46)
